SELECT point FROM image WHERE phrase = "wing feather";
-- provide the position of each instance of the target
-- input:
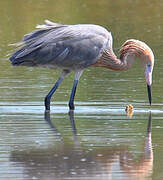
(63, 45)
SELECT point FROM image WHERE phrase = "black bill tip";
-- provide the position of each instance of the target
(149, 89)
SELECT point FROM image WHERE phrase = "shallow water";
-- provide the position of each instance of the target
(98, 141)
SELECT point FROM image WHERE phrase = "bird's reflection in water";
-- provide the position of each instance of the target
(74, 160)
(142, 168)
(71, 117)
(72, 122)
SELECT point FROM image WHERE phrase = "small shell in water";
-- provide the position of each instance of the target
(129, 110)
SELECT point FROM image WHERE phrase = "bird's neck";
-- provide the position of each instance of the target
(109, 60)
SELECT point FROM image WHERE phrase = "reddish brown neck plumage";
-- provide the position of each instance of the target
(109, 60)
(129, 51)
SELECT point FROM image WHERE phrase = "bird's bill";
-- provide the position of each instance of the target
(148, 76)
(149, 89)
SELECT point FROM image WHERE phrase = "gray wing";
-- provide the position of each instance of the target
(64, 46)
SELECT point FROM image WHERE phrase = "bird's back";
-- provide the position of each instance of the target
(64, 46)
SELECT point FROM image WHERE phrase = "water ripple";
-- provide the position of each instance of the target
(81, 108)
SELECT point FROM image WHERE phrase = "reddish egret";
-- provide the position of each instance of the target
(73, 48)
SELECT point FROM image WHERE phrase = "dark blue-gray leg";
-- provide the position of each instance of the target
(48, 97)
(71, 101)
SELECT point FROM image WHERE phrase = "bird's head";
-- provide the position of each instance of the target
(135, 48)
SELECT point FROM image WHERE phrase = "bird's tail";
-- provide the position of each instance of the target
(28, 47)
(16, 61)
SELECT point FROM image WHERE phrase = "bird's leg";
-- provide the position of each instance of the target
(71, 101)
(48, 97)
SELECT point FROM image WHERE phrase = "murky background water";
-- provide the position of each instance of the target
(98, 141)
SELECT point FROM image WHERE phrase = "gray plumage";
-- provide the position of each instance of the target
(69, 47)
(75, 47)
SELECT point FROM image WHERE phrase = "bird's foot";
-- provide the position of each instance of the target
(71, 106)
(47, 104)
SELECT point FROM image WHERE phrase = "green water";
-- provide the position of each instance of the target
(99, 141)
